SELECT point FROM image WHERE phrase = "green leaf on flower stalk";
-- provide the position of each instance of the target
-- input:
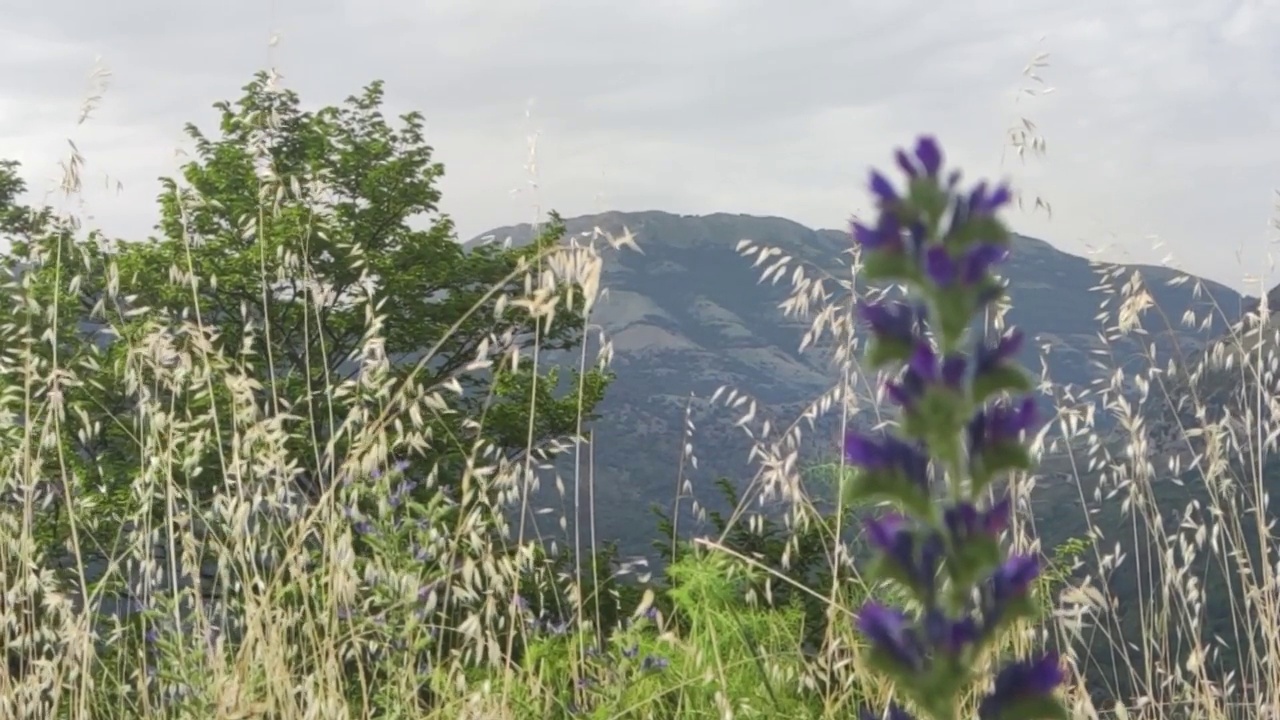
(882, 353)
(929, 200)
(954, 310)
(1001, 379)
(979, 229)
(893, 487)
(888, 266)
(973, 558)
(996, 459)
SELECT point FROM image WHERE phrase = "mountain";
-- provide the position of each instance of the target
(687, 315)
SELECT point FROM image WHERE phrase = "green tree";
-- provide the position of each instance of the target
(293, 229)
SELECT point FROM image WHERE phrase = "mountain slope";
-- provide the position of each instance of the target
(687, 315)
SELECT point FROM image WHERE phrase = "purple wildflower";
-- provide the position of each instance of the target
(1001, 423)
(983, 202)
(949, 635)
(1025, 680)
(886, 236)
(892, 321)
(927, 160)
(940, 267)
(883, 189)
(889, 454)
(1014, 577)
(887, 630)
(991, 356)
(915, 556)
(965, 520)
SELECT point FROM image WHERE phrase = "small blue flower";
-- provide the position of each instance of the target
(940, 267)
(927, 160)
(992, 356)
(1014, 577)
(883, 190)
(886, 236)
(892, 321)
(949, 635)
(916, 557)
(1001, 423)
(985, 203)
(888, 454)
(978, 261)
(964, 520)
(888, 632)
(1025, 680)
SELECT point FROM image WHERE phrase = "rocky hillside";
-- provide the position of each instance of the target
(687, 315)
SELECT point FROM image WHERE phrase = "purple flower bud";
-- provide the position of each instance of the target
(922, 371)
(888, 454)
(953, 368)
(927, 160)
(965, 520)
(930, 155)
(979, 260)
(1014, 577)
(882, 189)
(981, 203)
(1001, 423)
(886, 236)
(989, 357)
(892, 321)
(917, 557)
(940, 267)
(950, 636)
(1022, 680)
(906, 163)
(888, 632)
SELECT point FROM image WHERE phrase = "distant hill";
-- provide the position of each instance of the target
(687, 315)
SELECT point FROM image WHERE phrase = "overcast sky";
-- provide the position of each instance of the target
(1164, 125)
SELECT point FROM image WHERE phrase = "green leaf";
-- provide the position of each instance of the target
(1005, 378)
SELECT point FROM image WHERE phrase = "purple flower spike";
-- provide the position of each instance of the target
(1023, 680)
(883, 189)
(941, 268)
(930, 155)
(887, 630)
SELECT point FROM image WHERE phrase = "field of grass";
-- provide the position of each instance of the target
(395, 580)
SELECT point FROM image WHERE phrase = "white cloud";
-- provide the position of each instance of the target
(1163, 123)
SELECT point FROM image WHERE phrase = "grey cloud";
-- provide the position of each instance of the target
(1163, 123)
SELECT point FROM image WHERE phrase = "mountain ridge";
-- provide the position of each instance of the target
(687, 315)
